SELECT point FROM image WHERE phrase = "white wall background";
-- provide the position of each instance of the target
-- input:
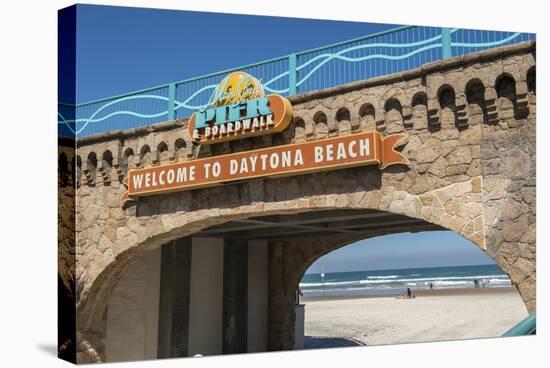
(28, 260)
(133, 313)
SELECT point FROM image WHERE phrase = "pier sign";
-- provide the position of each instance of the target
(237, 109)
(367, 148)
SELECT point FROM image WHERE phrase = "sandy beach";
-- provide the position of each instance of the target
(434, 315)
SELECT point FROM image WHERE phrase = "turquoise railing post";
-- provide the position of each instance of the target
(446, 43)
(291, 74)
(171, 99)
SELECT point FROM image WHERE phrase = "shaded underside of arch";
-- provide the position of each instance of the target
(319, 223)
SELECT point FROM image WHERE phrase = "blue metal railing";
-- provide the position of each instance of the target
(528, 326)
(392, 51)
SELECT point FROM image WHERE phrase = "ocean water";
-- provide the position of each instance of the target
(394, 282)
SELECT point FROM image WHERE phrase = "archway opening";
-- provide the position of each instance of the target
(233, 287)
(224, 289)
(405, 287)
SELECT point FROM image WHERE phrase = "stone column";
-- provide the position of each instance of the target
(235, 296)
(173, 334)
(281, 315)
(508, 166)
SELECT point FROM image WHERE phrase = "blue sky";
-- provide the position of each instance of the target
(405, 250)
(123, 49)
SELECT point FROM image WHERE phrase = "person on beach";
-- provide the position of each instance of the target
(431, 285)
(476, 283)
(409, 293)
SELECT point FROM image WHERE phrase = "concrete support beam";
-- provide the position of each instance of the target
(235, 299)
(173, 327)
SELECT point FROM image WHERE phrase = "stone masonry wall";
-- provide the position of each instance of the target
(470, 139)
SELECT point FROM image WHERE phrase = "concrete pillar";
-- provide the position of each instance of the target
(257, 296)
(205, 313)
(299, 324)
(173, 325)
(235, 299)
(133, 312)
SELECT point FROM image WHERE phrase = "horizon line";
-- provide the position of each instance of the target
(406, 268)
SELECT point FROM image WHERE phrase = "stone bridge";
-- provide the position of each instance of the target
(470, 139)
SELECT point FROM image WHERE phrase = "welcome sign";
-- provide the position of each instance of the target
(300, 158)
(183, 232)
(238, 109)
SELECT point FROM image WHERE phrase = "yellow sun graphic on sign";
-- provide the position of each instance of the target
(237, 87)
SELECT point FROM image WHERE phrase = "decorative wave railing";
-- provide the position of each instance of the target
(362, 58)
(527, 326)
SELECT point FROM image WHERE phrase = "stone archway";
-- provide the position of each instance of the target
(157, 221)
(476, 179)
